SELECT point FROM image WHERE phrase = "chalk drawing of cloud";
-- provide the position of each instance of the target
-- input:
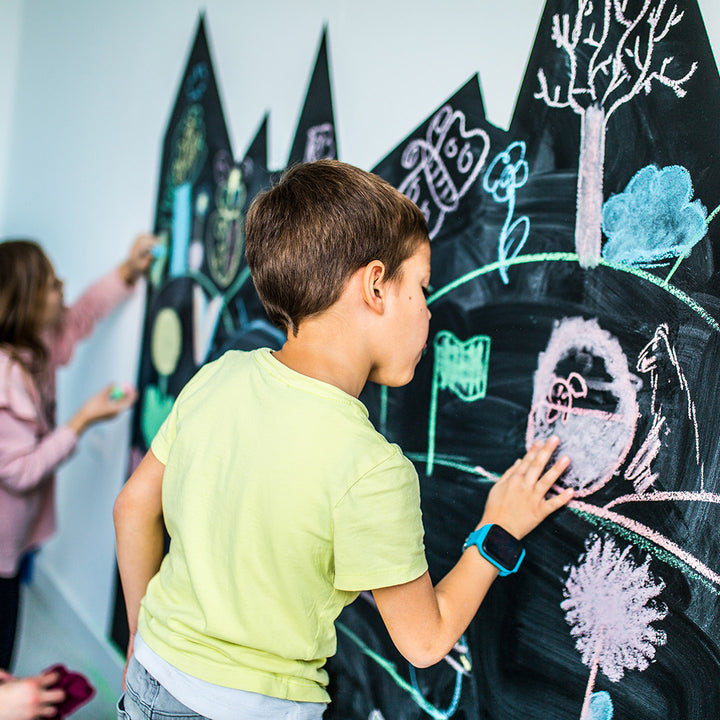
(654, 219)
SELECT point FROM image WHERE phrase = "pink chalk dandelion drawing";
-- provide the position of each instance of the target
(610, 604)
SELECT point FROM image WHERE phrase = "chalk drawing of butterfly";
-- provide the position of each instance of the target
(444, 165)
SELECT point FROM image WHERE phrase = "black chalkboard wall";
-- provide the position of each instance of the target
(575, 291)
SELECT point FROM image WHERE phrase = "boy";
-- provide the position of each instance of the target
(281, 500)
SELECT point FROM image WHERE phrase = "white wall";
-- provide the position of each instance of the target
(9, 49)
(89, 87)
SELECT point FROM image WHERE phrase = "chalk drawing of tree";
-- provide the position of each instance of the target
(610, 605)
(611, 58)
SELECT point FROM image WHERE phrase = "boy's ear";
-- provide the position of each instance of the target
(373, 288)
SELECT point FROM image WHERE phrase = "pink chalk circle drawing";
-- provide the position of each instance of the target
(611, 604)
(584, 392)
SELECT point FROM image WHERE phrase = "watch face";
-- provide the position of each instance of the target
(500, 545)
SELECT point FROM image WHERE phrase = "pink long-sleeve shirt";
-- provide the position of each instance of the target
(31, 447)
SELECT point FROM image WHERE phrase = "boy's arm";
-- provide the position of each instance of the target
(139, 533)
(425, 622)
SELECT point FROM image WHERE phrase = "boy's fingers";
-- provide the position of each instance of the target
(542, 457)
(549, 478)
(522, 464)
(557, 501)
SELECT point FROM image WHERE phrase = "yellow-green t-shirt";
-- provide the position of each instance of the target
(282, 503)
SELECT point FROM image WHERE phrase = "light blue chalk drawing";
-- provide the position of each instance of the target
(613, 52)
(460, 367)
(505, 174)
(196, 82)
(654, 219)
(412, 688)
(601, 706)
(181, 222)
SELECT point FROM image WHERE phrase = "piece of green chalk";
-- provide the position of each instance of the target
(117, 392)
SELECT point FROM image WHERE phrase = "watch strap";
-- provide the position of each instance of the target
(477, 538)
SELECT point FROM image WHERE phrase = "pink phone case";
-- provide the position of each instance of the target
(77, 689)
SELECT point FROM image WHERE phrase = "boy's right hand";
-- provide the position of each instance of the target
(518, 502)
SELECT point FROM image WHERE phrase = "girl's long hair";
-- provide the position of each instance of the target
(25, 273)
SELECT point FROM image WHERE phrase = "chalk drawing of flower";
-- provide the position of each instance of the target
(610, 604)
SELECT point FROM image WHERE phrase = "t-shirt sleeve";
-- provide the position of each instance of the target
(378, 534)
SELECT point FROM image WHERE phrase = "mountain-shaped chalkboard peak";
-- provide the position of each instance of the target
(257, 150)
(440, 164)
(254, 164)
(196, 138)
(315, 136)
(612, 88)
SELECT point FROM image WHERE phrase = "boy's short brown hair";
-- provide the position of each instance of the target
(320, 223)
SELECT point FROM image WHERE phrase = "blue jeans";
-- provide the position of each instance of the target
(146, 699)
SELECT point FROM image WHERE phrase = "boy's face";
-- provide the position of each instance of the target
(407, 321)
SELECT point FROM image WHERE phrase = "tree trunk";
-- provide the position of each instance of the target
(588, 237)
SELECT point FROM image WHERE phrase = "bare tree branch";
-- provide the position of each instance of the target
(626, 69)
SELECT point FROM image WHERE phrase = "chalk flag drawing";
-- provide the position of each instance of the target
(592, 408)
(611, 607)
(622, 64)
(444, 165)
(505, 174)
(461, 368)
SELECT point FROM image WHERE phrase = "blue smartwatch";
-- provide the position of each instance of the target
(498, 547)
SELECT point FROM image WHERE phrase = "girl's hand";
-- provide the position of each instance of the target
(103, 406)
(139, 259)
(29, 698)
(518, 500)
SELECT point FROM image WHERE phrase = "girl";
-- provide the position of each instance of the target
(38, 334)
